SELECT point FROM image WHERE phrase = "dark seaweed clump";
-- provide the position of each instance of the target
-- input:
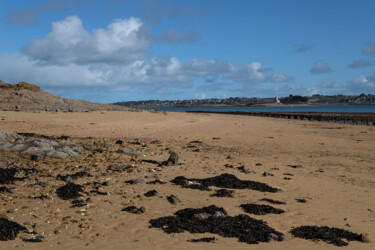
(70, 177)
(226, 181)
(156, 182)
(9, 229)
(215, 220)
(330, 235)
(223, 193)
(260, 209)
(7, 175)
(133, 210)
(69, 191)
(4, 190)
(184, 182)
(151, 193)
(205, 239)
(273, 201)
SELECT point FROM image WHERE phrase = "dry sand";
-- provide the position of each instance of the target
(336, 178)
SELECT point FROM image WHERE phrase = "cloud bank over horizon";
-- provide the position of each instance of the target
(118, 50)
(115, 59)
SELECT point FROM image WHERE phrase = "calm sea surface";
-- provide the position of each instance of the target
(323, 108)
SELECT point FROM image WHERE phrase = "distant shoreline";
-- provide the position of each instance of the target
(259, 105)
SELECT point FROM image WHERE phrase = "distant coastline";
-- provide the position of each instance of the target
(293, 100)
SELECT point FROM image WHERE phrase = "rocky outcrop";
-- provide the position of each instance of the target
(25, 96)
(38, 147)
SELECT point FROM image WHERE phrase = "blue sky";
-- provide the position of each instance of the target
(122, 50)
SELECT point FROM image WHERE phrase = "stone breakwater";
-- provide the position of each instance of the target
(344, 118)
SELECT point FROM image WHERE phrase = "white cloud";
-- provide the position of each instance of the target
(280, 77)
(113, 60)
(363, 84)
(328, 84)
(320, 67)
(69, 42)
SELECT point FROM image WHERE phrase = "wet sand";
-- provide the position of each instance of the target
(336, 177)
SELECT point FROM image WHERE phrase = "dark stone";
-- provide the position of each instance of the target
(173, 199)
(69, 191)
(260, 209)
(330, 235)
(242, 227)
(273, 201)
(243, 169)
(226, 181)
(9, 229)
(173, 159)
(223, 193)
(156, 142)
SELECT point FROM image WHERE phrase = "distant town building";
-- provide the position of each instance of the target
(277, 99)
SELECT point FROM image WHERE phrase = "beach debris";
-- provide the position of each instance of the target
(156, 182)
(173, 199)
(151, 193)
(260, 209)
(7, 175)
(223, 193)
(120, 142)
(156, 142)
(301, 200)
(365, 238)
(136, 181)
(204, 239)
(266, 174)
(273, 201)
(4, 189)
(69, 191)
(134, 210)
(9, 229)
(213, 219)
(240, 168)
(70, 177)
(185, 183)
(295, 166)
(226, 181)
(128, 152)
(330, 235)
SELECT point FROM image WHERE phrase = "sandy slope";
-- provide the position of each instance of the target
(337, 177)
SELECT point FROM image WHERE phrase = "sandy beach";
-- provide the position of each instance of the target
(324, 173)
